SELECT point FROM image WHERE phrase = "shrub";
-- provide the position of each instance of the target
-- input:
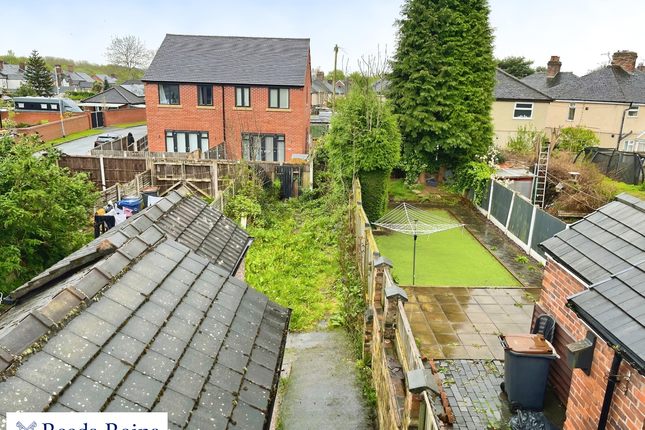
(374, 192)
(475, 175)
(575, 139)
(525, 140)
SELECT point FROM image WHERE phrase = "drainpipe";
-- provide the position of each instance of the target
(609, 392)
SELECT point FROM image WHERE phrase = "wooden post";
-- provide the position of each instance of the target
(216, 179)
(102, 171)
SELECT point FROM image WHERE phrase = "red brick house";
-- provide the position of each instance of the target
(254, 94)
(594, 286)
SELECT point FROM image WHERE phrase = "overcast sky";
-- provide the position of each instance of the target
(579, 31)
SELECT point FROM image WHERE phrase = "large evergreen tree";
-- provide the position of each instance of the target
(516, 66)
(37, 75)
(442, 81)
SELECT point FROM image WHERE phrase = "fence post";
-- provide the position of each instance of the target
(530, 239)
(102, 171)
(510, 211)
(216, 180)
(490, 199)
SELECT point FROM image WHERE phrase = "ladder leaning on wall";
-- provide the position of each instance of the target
(541, 171)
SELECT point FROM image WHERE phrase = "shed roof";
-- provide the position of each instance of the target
(148, 318)
(116, 94)
(508, 87)
(606, 242)
(230, 60)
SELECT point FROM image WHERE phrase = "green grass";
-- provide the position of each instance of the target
(633, 190)
(70, 137)
(450, 258)
(400, 191)
(131, 124)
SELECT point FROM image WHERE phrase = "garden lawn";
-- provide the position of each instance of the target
(450, 258)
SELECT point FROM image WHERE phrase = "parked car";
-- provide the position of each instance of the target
(103, 138)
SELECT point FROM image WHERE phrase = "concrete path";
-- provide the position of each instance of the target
(320, 389)
(83, 145)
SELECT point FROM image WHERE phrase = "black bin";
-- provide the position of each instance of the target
(527, 358)
(149, 192)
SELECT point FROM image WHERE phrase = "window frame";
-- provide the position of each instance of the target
(633, 109)
(572, 108)
(516, 108)
(625, 145)
(248, 102)
(169, 102)
(278, 140)
(201, 135)
(200, 88)
(278, 98)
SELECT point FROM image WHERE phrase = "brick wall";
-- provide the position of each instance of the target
(124, 116)
(54, 130)
(586, 394)
(33, 117)
(225, 122)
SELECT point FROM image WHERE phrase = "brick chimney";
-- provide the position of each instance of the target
(21, 66)
(59, 70)
(626, 59)
(641, 67)
(70, 68)
(553, 66)
(320, 75)
(329, 81)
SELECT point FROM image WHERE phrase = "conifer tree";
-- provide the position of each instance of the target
(37, 75)
(442, 81)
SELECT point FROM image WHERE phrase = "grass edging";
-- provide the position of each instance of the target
(131, 124)
(69, 138)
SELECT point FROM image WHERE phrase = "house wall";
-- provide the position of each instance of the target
(225, 122)
(124, 116)
(604, 119)
(505, 126)
(585, 397)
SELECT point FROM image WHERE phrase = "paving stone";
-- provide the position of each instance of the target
(85, 395)
(119, 404)
(187, 383)
(92, 328)
(125, 296)
(137, 282)
(140, 389)
(179, 328)
(17, 395)
(176, 405)
(47, 372)
(107, 370)
(168, 346)
(125, 348)
(206, 344)
(197, 362)
(225, 378)
(153, 313)
(110, 311)
(70, 348)
(165, 299)
(156, 365)
(140, 329)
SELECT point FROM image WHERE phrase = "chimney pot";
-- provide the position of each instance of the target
(70, 68)
(553, 66)
(641, 67)
(329, 81)
(625, 59)
(21, 66)
(320, 75)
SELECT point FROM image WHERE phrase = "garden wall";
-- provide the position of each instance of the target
(54, 130)
(519, 219)
(33, 117)
(123, 116)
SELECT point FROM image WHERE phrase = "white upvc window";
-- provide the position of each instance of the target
(523, 110)
(572, 112)
(640, 146)
(628, 145)
(633, 112)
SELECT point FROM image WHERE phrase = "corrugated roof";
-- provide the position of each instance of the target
(509, 87)
(148, 325)
(115, 94)
(230, 60)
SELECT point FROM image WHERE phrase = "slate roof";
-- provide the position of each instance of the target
(103, 77)
(609, 84)
(12, 72)
(615, 309)
(116, 94)
(540, 82)
(508, 87)
(320, 86)
(606, 242)
(149, 325)
(230, 60)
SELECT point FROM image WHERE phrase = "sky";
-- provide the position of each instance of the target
(581, 32)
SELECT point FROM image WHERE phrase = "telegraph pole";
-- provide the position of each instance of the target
(333, 96)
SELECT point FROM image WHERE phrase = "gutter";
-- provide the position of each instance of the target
(238, 263)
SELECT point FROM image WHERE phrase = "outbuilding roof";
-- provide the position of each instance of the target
(230, 60)
(116, 94)
(148, 318)
(508, 87)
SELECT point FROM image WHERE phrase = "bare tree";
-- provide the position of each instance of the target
(129, 52)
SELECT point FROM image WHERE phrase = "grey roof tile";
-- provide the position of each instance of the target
(115, 94)
(509, 87)
(107, 370)
(209, 287)
(140, 389)
(197, 301)
(216, 400)
(125, 296)
(137, 282)
(17, 395)
(114, 264)
(233, 359)
(247, 418)
(221, 314)
(197, 362)
(206, 344)
(192, 265)
(57, 407)
(85, 395)
(171, 252)
(119, 404)
(213, 328)
(156, 366)
(189, 313)
(140, 329)
(179, 328)
(259, 375)
(183, 275)
(266, 358)
(230, 60)
(92, 328)
(187, 383)
(239, 343)
(225, 378)
(71, 349)
(201, 420)
(110, 311)
(168, 346)
(255, 396)
(165, 299)
(153, 313)
(47, 372)
(176, 405)
(125, 348)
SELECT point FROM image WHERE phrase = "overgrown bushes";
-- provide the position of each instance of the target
(374, 192)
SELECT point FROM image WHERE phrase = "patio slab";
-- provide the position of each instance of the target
(463, 323)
